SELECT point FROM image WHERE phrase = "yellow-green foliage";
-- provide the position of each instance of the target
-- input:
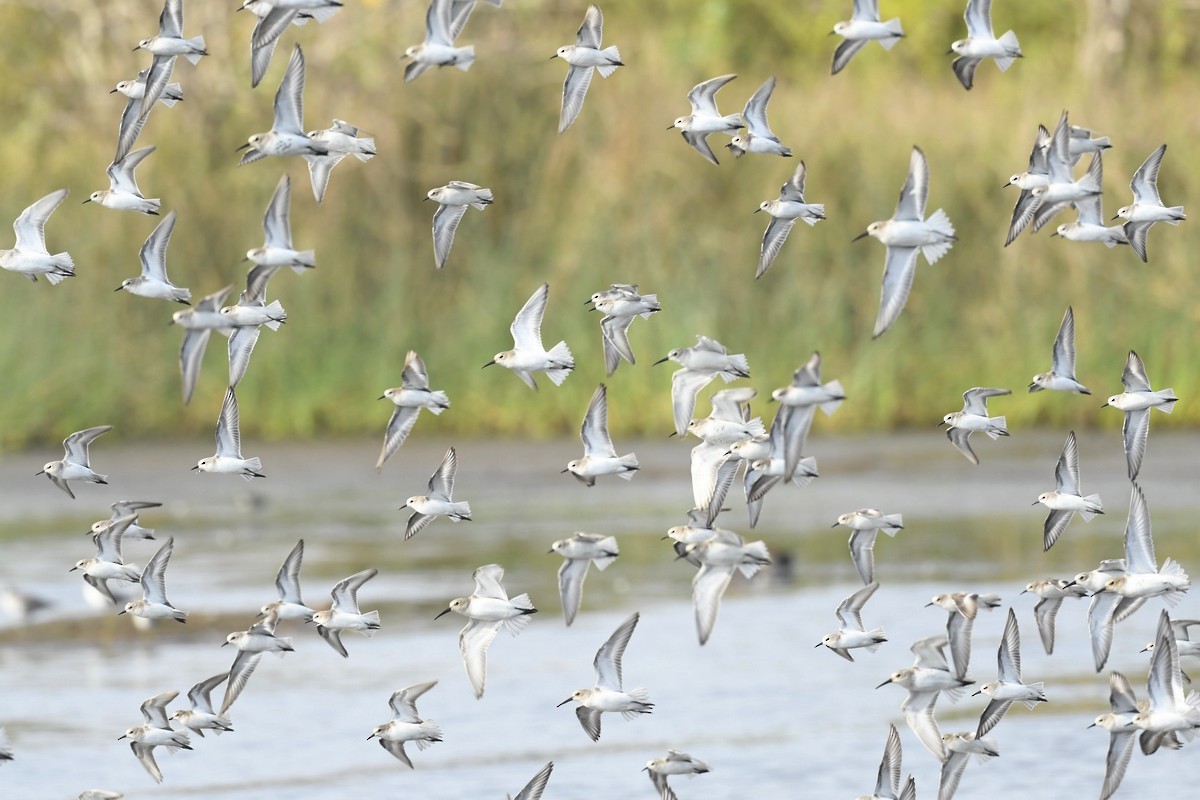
(616, 198)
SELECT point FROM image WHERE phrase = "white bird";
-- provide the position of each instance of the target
(340, 140)
(406, 725)
(1051, 592)
(287, 584)
(287, 136)
(344, 613)
(274, 16)
(165, 47)
(1143, 577)
(1121, 731)
(277, 250)
(452, 200)
(153, 281)
(528, 355)
(1065, 500)
(228, 458)
(862, 27)
(758, 137)
(198, 323)
(578, 552)
(1089, 225)
(108, 563)
(244, 320)
(702, 362)
(487, 609)
(155, 732)
(1168, 711)
(75, 464)
(798, 403)
(251, 644)
(974, 417)
(865, 524)
(1061, 188)
(766, 471)
(1061, 376)
(1136, 401)
(959, 749)
(1008, 688)
(584, 56)
(29, 255)
(705, 118)
(962, 608)
(123, 193)
(981, 43)
(852, 633)
(784, 212)
(1183, 642)
(201, 716)
(887, 781)
(409, 397)
(439, 501)
(599, 455)
(444, 21)
(154, 603)
(719, 556)
(620, 305)
(537, 784)
(907, 232)
(132, 118)
(675, 762)
(1147, 207)
(608, 694)
(1038, 174)
(126, 508)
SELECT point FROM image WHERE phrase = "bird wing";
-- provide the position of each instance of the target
(277, 228)
(404, 702)
(591, 32)
(229, 429)
(898, 272)
(1008, 655)
(243, 667)
(755, 113)
(1066, 472)
(441, 483)
(76, 445)
(570, 585)
(153, 254)
(445, 223)
(574, 91)
(287, 581)
(399, 426)
(703, 95)
(1139, 541)
(594, 433)
(289, 100)
(1145, 180)
(608, 659)
(1134, 377)
(153, 580)
(526, 329)
(345, 593)
(487, 582)
(911, 205)
(707, 589)
(473, 641)
(1063, 360)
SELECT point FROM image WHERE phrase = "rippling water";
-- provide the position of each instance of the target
(774, 717)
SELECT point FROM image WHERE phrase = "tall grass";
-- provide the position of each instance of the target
(616, 198)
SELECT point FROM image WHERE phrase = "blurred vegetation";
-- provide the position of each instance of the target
(614, 199)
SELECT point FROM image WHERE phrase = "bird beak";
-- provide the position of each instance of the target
(1114, 216)
(72, 569)
(119, 738)
(927, 605)
(1091, 726)
(672, 125)
(564, 702)
(119, 613)
(86, 201)
(885, 683)
(940, 424)
(118, 288)
(818, 644)
(224, 643)
(1005, 186)
(834, 525)
(369, 738)
(661, 360)
(860, 236)
(195, 467)
(134, 50)
(977, 693)
(1144, 649)
(564, 471)
(553, 57)
(1054, 234)
(112, 91)
(950, 52)
(1072, 583)
(757, 210)
(1023, 591)
(1035, 502)
(493, 361)
(242, 147)
(439, 616)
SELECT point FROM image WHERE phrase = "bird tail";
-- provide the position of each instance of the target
(818, 214)
(1177, 215)
(560, 354)
(368, 152)
(877, 633)
(652, 299)
(893, 28)
(941, 225)
(1093, 507)
(372, 620)
(287, 641)
(197, 43)
(1166, 395)
(443, 402)
(997, 427)
(759, 557)
(171, 95)
(739, 368)
(893, 521)
(806, 472)
(462, 510)
(639, 694)
(614, 55)
(484, 199)
(64, 267)
(608, 545)
(1012, 51)
(305, 260)
(1171, 568)
(468, 58)
(431, 733)
(278, 315)
(253, 465)
(630, 463)
(834, 388)
(1041, 695)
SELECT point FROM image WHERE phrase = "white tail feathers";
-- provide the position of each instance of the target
(1012, 50)
(305, 260)
(171, 95)
(522, 602)
(893, 27)
(1177, 215)
(369, 144)
(372, 620)
(894, 521)
(461, 510)
(432, 732)
(485, 199)
(287, 640)
(652, 299)
(613, 53)
(278, 315)
(1092, 508)
(806, 472)
(940, 223)
(819, 208)
(468, 58)
(1166, 395)
(997, 427)
(1172, 568)
(560, 354)
(1042, 695)
(630, 463)
(443, 402)
(252, 465)
(834, 388)
(198, 43)
(608, 545)
(639, 694)
(739, 368)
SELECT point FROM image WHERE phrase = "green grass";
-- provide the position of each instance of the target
(616, 198)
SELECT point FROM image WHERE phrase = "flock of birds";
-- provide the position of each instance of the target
(732, 441)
